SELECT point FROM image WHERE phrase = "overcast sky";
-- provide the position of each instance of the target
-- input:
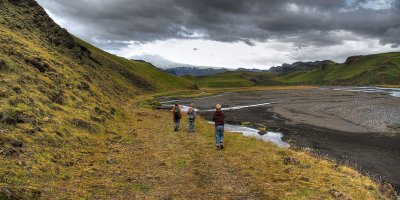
(233, 33)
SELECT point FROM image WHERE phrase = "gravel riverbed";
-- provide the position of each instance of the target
(362, 128)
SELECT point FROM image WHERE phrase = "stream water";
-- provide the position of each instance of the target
(273, 137)
(395, 92)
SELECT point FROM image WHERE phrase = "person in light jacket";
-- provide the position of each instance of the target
(192, 117)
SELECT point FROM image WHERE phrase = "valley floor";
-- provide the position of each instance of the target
(348, 125)
(140, 157)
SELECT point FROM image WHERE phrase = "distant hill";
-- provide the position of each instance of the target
(181, 69)
(198, 71)
(299, 66)
(236, 79)
(178, 69)
(377, 69)
(194, 71)
(250, 70)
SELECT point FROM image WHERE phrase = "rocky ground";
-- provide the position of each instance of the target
(355, 127)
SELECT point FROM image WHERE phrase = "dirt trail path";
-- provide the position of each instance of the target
(153, 162)
(186, 165)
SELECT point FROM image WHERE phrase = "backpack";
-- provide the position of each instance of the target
(191, 113)
(177, 114)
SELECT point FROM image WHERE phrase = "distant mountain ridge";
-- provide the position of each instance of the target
(194, 71)
(163, 63)
(178, 69)
(250, 70)
(299, 66)
(366, 70)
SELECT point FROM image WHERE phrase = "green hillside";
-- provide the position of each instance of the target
(48, 74)
(237, 79)
(378, 69)
(58, 95)
(160, 80)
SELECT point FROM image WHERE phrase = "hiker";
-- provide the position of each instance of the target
(192, 116)
(177, 114)
(219, 119)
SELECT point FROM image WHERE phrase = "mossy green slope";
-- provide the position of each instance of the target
(58, 95)
(377, 69)
(163, 81)
(47, 73)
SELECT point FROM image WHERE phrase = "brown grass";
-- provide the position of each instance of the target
(136, 155)
(389, 86)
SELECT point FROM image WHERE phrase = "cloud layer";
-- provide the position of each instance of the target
(233, 33)
(304, 22)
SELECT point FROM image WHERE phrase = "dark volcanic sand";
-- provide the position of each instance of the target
(349, 126)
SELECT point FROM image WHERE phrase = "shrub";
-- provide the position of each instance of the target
(79, 123)
(57, 97)
(84, 86)
(195, 87)
(38, 63)
(3, 65)
(13, 117)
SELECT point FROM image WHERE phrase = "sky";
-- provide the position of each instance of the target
(233, 33)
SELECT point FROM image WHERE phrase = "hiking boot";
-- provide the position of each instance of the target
(221, 145)
(218, 147)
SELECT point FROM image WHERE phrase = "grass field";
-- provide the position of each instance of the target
(138, 155)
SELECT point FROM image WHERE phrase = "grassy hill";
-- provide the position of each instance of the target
(72, 126)
(237, 79)
(57, 93)
(46, 73)
(377, 69)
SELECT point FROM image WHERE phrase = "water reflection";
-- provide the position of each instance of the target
(395, 92)
(273, 137)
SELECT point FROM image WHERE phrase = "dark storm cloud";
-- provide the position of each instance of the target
(303, 22)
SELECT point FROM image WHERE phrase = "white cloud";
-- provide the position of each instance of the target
(263, 55)
(378, 4)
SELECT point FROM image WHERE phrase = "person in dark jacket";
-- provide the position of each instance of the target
(177, 114)
(219, 120)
